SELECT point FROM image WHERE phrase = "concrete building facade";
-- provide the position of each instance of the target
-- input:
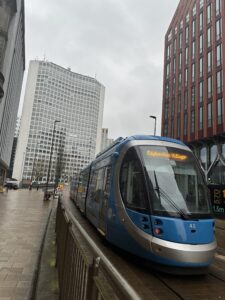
(105, 141)
(194, 80)
(12, 66)
(70, 103)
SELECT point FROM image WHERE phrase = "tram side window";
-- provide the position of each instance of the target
(96, 187)
(132, 185)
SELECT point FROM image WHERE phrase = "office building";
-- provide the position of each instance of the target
(12, 65)
(62, 114)
(105, 141)
(193, 98)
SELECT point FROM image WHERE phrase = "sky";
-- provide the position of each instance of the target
(120, 42)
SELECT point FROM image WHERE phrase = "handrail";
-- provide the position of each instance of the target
(123, 285)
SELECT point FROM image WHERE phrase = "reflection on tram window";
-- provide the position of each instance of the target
(177, 184)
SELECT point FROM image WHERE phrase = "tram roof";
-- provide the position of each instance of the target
(118, 143)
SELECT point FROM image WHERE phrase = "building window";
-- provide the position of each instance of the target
(187, 18)
(185, 123)
(209, 13)
(193, 50)
(210, 114)
(194, 10)
(167, 90)
(174, 65)
(174, 86)
(220, 111)
(209, 87)
(193, 96)
(172, 107)
(179, 81)
(200, 118)
(193, 72)
(179, 104)
(187, 34)
(186, 77)
(200, 91)
(180, 61)
(218, 7)
(201, 3)
(168, 70)
(209, 36)
(201, 67)
(193, 121)
(175, 46)
(200, 21)
(186, 56)
(169, 51)
(218, 29)
(193, 28)
(219, 54)
(172, 129)
(178, 127)
(166, 129)
(181, 37)
(200, 43)
(185, 100)
(209, 61)
(219, 82)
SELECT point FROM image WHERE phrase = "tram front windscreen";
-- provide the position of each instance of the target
(178, 188)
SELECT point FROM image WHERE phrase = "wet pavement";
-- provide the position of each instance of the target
(24, 220)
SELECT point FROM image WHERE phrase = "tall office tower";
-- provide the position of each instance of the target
(12, 65)
(62, 119)
(105, 141)
(193, 99)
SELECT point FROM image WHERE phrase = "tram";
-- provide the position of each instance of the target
(147, 195)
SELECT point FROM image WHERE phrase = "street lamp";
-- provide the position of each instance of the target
(46, 196)
(154, 117)
(34, 161)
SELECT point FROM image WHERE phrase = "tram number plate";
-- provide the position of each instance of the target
(218, 199)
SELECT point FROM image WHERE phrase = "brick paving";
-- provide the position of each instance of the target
(23, 219)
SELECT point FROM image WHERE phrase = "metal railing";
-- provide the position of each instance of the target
(84, 272)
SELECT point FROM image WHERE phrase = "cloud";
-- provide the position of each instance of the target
(119, 42)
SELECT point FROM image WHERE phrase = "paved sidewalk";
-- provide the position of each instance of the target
(24, 217)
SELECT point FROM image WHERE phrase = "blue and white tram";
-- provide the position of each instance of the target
(147, 195)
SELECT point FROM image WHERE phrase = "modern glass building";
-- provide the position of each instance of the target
(12, 65)
(62, 114)
(193, 98)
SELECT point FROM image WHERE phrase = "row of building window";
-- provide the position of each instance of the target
(218, 7)
(193, 119)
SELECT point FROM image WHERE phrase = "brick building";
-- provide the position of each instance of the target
(193, 96)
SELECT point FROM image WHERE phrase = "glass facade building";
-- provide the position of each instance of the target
(193, 97)
(54, 94)
(12, 65)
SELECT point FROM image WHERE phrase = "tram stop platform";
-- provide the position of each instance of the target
(27, 246)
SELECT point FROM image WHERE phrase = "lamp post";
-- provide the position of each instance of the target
(154, 117)
(46, 196)
(34, 161)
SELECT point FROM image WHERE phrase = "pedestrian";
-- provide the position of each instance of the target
(37, 186)
(30, 187)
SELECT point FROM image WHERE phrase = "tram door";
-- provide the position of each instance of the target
(104, 201)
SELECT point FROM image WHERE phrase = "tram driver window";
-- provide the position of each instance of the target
(132, 185)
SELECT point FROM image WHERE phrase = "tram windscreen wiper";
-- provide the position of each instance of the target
(161, 192)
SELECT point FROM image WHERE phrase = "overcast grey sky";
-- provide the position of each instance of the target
(121, 42)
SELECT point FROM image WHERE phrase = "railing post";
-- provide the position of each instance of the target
(92, 291)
